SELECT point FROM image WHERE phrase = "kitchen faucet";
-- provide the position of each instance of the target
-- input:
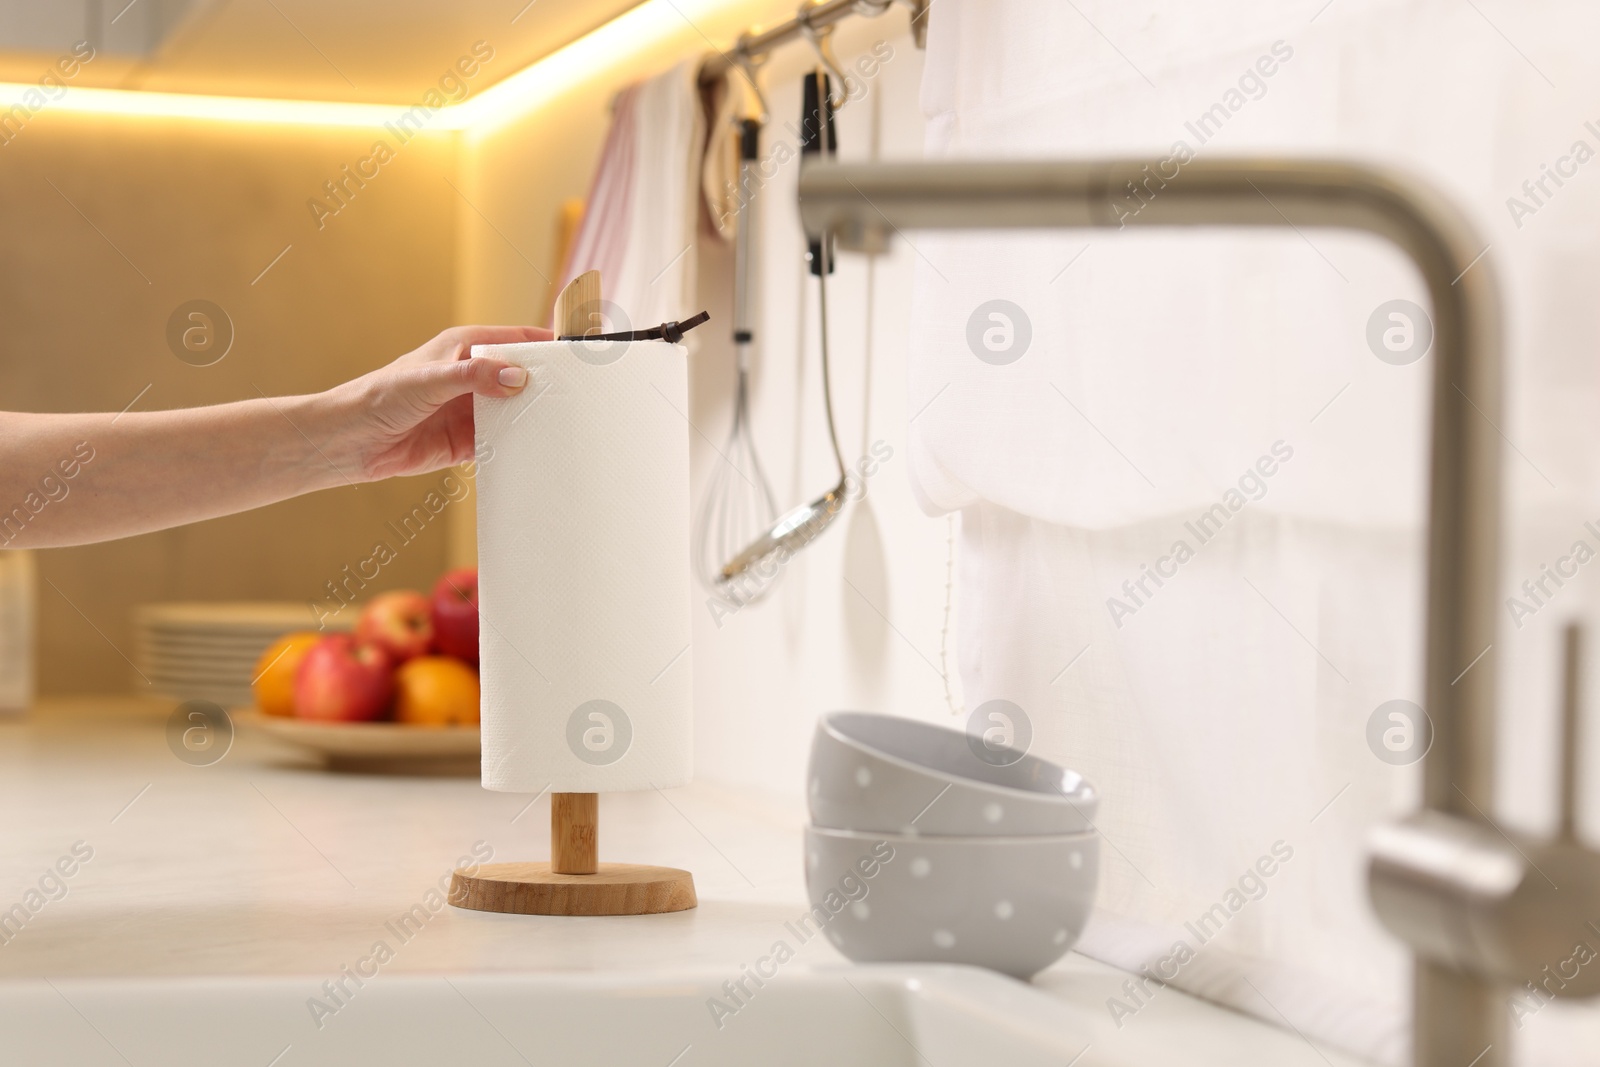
(1484, 911)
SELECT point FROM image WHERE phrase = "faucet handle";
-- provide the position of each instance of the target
(1502, 905)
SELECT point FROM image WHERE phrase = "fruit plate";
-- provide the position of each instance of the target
(373, 745)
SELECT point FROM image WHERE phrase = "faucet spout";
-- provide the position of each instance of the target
(1459, 1018)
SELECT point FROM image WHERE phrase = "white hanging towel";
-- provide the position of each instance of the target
(643, 209)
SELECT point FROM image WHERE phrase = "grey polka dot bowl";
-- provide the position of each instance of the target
(886, 774)
(1012, 904)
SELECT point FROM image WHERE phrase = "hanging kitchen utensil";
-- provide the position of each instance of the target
(817, 138)
(738, 504)
(749, 574)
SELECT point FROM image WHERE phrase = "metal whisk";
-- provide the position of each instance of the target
(738, 505)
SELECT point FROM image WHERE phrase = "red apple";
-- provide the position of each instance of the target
(343, 680)
(455, 614)
(399, 623)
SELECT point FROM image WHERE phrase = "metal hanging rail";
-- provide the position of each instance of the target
(814, 19)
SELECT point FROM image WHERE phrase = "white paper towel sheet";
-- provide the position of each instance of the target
(583, 569)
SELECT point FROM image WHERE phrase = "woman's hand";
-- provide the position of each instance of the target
(415, 415)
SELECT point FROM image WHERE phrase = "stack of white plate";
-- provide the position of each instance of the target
(208, 651)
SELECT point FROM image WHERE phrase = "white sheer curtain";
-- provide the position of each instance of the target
(1223, 709)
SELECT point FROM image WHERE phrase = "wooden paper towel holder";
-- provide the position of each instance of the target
(574, 882)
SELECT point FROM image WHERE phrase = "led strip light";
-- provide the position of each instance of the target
(627, 38)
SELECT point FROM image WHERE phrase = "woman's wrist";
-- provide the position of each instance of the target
(321, 438)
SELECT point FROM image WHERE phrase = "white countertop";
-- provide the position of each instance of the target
(266, 865)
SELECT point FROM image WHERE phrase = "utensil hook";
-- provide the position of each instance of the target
(822, 42)
(750, 67)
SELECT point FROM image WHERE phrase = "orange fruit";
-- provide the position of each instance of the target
(275, 670)
(436, 691)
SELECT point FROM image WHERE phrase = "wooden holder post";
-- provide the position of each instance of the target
(574, 833)
(574, 882)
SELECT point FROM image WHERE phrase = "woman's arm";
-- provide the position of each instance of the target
(74, 479)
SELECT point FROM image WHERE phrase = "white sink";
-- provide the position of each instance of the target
(839, 1016)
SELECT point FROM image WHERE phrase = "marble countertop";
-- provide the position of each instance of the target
(265, 864)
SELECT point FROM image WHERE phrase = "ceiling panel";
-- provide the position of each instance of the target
(381, 51)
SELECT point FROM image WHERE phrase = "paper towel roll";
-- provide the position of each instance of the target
(583, 569)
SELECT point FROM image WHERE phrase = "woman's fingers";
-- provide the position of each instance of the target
(440, 383)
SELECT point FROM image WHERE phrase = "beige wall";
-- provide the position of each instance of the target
(177, 210)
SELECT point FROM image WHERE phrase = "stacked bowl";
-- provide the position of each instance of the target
(927, 845)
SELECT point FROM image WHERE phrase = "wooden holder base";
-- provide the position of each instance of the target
(534, 889)
(574, 882)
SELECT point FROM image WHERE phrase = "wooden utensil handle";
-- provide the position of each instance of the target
(574, 833)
